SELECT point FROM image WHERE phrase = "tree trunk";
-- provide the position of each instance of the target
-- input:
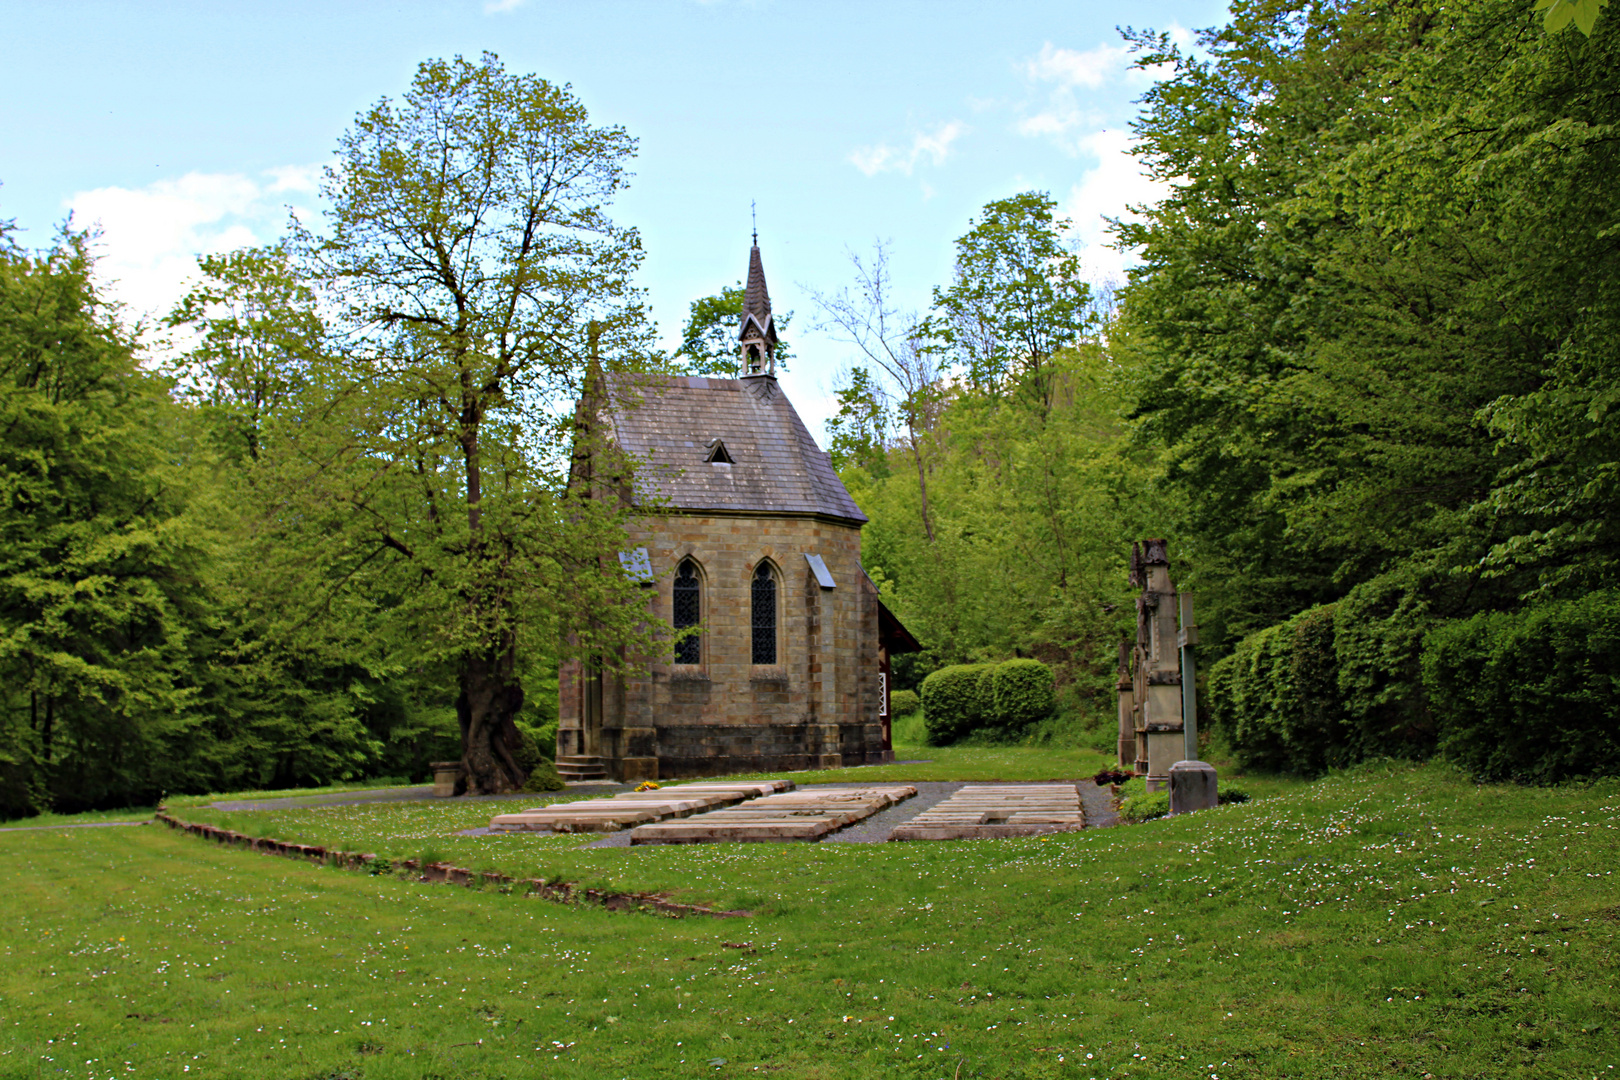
(487, 705)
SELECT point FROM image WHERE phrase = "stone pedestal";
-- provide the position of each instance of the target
(1163, 748)
(1192, 787)
(446, 774)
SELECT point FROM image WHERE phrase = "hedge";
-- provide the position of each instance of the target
(951, 703)
(1022, 693)
(964, 698)
(904, 702)
(1335, 684)
(1276, 699)
(1532, 696)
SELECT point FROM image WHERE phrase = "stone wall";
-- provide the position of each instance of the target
(818, 707)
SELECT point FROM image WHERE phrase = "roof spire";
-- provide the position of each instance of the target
(756, 336)
(753, 213)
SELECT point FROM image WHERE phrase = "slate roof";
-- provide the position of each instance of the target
(668, 422)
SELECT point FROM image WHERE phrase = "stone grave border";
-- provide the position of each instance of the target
(444, 873)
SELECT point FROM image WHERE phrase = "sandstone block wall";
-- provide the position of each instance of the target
(817, 707)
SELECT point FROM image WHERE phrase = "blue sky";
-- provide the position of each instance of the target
(189, 127)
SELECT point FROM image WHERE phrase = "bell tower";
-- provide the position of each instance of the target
(756, 336)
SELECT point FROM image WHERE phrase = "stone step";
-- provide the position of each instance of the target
(580, 767)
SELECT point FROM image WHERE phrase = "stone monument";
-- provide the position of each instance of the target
(1155, 667)
(1157, 691)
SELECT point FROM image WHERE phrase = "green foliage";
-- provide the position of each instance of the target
(1560, 13)
(904, 702)
(1016, 300)
(997, 702)
(100, 602)
(255, 336)
(1231, 793)
(1275, 700)
(416, 490)
(544, 777)
(1331, 686)
(1380, 299)
(909, 730)
(527, 755)
(858, 429)
(1144, 807)
(1021, 694)
(1532, 696)
(952, 703)
(1378, 646)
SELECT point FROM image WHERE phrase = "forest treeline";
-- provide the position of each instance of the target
(315, 525)
(1365, 369)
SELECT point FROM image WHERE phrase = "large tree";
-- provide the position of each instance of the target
(1016, 299)
(99, 568)
(466, 248)
(709, 339)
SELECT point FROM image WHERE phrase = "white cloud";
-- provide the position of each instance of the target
(151, 236)
(1069, 78)
(1066, 67)
(1066, 74)
(496, 7)
(926, 146)
(1117, 180)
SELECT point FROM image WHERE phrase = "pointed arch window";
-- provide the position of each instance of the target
(688, 612)
(763, 595)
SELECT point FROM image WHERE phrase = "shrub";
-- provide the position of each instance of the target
(1021, 693)
(1275, 700)
(904, 702)
(951, 702)
(1145, 807)
(527, 755)
(1381, 626)
(1334, 685)
(1532, 696)
(1231, 793)
(984, 692)
(544, 778)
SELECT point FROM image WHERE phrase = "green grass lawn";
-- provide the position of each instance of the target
(1394, 921)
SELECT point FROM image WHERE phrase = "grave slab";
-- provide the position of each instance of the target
(803, 816)
(628, 808)
(997, 811)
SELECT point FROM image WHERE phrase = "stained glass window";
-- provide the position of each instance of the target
(688, 612)
(764, 597)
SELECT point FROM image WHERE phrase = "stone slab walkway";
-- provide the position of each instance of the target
(806, 815)
(636, 807)
(991, 811)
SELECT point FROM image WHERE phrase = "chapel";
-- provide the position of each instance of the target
(747, 535)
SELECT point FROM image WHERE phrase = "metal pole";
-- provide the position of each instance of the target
(1188, 639)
